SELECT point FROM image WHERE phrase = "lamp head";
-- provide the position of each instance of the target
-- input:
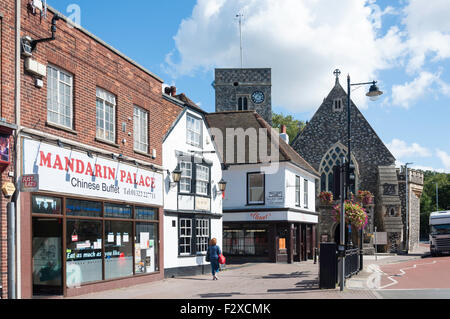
(176, 175)
(222, 185)
(374, 92)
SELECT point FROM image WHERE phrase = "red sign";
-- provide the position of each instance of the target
(257, 216)
(29, 183)
(74, 237)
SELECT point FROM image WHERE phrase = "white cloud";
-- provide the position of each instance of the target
(445, 158)
(404, 95)
(302, 41)
(400, 149)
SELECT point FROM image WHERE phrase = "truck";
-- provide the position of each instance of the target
(439, 233)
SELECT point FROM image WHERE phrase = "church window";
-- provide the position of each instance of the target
(331, 159)
(242, 103)
(337, 105)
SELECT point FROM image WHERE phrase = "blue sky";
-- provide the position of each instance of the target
(405, 45)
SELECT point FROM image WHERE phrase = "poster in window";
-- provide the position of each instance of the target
(4, 149)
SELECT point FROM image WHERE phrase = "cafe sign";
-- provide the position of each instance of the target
(63, 170)
(29, 183)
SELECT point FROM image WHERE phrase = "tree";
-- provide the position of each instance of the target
(428, 199)
(293, 126)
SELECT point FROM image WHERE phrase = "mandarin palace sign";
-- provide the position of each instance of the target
(66, 171)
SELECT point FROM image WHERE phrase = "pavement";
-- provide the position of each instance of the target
(261, 281)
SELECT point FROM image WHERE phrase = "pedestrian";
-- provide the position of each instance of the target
(214, 252)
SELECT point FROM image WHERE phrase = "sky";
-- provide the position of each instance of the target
(404, 45)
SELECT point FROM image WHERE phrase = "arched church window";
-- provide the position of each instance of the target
(337, 105)
(331, 159)
(242, 103)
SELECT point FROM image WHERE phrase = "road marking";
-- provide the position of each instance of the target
(402, 272)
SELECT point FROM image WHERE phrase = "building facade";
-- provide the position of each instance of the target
(324, 141)
(89, 203)
(193, 205)
(269, 211)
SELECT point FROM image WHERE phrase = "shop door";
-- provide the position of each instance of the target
(47, 257)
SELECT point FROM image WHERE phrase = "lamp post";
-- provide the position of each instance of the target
(374, 93)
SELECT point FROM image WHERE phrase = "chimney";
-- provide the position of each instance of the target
(173, 90)
(283, 134)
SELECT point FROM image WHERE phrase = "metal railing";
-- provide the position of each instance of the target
(352, 261)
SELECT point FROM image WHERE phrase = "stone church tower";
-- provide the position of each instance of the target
(323, 142)
(244, 89)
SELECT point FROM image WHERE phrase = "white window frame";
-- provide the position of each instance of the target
(140, 125)
(107, 101)
(249, 189)
(185, 234)
(202, 235)
(201, 179)
(186, 177)
(305, 193)
(55, 103)
(193, 131)
(297, 190)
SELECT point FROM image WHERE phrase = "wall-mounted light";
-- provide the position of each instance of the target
(89, 154)
(60, 144)
(222, 187)
(176, 177)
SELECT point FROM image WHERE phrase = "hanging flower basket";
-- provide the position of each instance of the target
(326, 198)
(364, 197)
(354, 214)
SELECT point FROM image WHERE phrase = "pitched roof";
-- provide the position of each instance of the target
(246, 120)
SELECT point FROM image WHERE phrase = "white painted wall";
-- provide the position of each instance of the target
(283, 180)
(176, 141)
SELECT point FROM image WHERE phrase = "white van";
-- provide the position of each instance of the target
(439, 232)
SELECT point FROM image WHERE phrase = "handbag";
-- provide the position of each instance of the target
(222, 259)
(207, 258)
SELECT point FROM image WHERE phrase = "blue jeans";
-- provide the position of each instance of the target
(214, 266)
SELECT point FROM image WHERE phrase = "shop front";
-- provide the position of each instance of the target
(269, 236)
(90, 224)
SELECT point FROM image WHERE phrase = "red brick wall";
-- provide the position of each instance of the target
(92, 65)
(7, 93)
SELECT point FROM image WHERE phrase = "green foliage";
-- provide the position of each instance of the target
(293, 127)
(428, 199)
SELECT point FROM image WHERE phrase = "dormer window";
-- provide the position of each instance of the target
(337, 105)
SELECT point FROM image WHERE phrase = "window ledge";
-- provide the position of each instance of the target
(143, 153)
(100, 140)
(61, 127)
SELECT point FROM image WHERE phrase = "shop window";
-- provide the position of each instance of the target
(202, 235)
(83, 252)
(59, 97)
(46, 205)
(185, 236)
(255, 192)
(247, 241)
(146, 248)
(118, 249)
(106, 115)
(146, 213)
(118, 211)
(75, 207)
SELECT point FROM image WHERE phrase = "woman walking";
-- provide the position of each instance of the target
(214, 252)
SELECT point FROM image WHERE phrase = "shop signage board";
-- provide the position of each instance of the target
(262, 216)
(29, 183)
(62, 170)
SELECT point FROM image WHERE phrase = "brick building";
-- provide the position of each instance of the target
(90, 127)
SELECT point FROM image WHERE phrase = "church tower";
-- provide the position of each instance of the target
(244, 89)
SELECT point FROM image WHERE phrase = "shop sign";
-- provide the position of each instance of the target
(62, 170)
(29, 183)
(275, 197)
(8, 189)
(202, 203)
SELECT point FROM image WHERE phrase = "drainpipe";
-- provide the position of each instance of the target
(14, 276)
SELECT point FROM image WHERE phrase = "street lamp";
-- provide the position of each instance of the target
(176, 177)
(374, 93)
